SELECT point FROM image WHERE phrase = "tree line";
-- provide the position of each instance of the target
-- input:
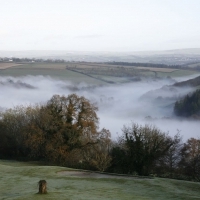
(189, 105)
(30, 60)
(145, 65)
(195, 82)
(64, 131)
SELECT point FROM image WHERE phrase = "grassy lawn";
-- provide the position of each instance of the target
(19, 181)
(179, 73)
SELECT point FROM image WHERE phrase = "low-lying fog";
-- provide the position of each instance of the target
(118, 105)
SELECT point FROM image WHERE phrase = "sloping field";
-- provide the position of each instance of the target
(154, 69)
(20, 181)
(42, 66)
(90, 73)
(8, 65)
(179, 73)
(62, 74)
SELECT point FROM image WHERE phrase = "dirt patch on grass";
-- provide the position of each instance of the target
(8, 65)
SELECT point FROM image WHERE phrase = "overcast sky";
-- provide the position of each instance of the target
(99, 25)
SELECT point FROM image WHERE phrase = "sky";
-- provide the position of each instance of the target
(99, 25)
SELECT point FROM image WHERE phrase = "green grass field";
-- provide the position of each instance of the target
(19, 180)
(180, 73)
(62, 74)
(177, 73)
(104, 74)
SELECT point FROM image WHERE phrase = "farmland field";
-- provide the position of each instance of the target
(19, 180)
(8, 65)
(54, 71)
(179, 73)
(91, 73)
(41, 66)
(158, 69)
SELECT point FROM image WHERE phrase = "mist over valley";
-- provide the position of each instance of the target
(148, 101)
(100, 99)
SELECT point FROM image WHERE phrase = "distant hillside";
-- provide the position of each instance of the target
(39, 53)
(169, 57)
(172, 93)
(191, 82)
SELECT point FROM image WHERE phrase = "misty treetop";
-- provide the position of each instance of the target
(64, 131)
(189, 105)
(194, 82)
(65, 128)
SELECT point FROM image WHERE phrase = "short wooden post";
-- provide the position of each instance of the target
(42, 187)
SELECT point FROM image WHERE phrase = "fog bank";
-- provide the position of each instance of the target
(118, 104)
